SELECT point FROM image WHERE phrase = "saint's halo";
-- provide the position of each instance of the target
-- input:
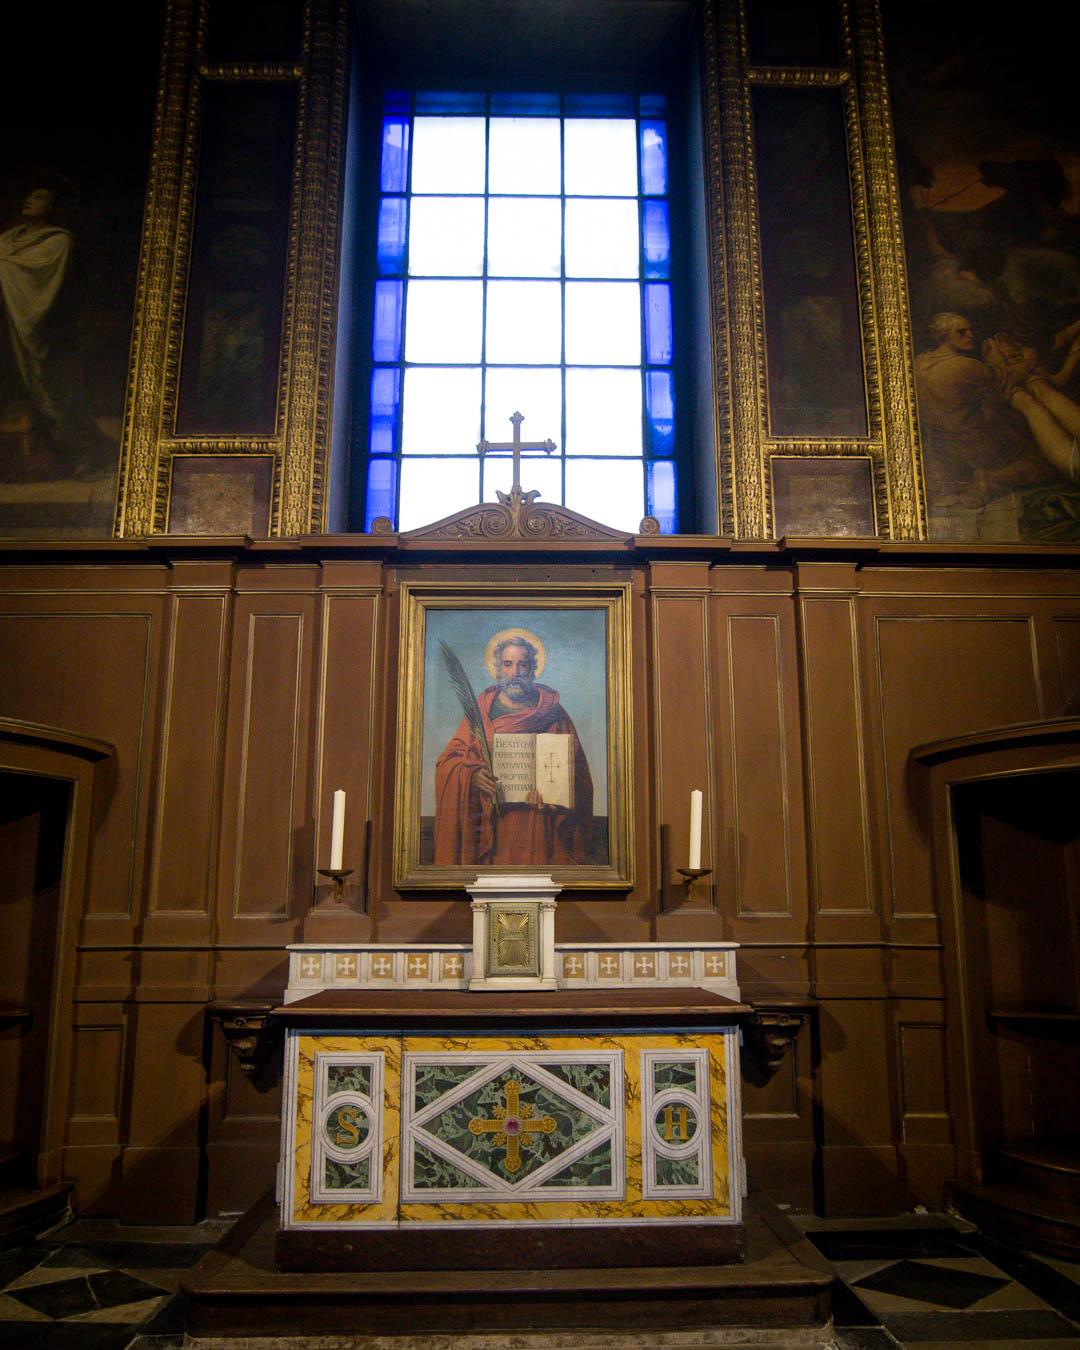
(501, 635)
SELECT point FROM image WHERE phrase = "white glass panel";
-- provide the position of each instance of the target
(601, 157)
(524, 321)
(603, 323)
(611, 491)
(443, 320)
(536, 394)
(537, 472)
(442, 411)
(524, 155)
(432, 489)
(601, 238)
(603, 412)
(446, 237)
(448, 154)
(524, 238)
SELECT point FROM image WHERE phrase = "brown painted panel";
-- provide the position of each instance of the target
(682, 742)
(91, 672)
(924, 1088)
(762, 828)
(266, 846)
(95, 1083)
(190, 751)
(1067, 635)
(940, 675)
(839, 829)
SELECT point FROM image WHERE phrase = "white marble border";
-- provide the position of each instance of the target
(490, 1188)
(653, 1147)
(322, 1104)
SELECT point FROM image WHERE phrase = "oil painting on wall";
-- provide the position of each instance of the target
(509, 710)
(71, 193)
(989, 156)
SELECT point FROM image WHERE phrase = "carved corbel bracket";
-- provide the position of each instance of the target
(249, 1032)
(768, 1035)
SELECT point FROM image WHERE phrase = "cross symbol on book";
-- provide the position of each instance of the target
(512, 1126)
(515, 447)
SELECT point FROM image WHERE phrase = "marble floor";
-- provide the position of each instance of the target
(922, 1281)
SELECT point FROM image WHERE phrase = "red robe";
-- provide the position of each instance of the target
(469, 829)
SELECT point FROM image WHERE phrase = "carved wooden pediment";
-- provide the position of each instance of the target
(518, 515)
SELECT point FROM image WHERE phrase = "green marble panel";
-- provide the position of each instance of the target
(678, 1171)
(493, 1148)
(676, 1123)
(348, 1078)
(593, 1169)
(347, 1126)
(433, 1173)
(347, 1176)
(675, 1073)
(594, 1080)
(432, 1080)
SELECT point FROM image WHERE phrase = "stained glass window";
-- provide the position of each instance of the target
(523, 263)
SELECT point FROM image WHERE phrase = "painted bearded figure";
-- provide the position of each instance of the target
(472, 824)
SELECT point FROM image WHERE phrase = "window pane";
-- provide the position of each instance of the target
(660, 403)
(603, 412)
(653, 158)
(448, 154)
(610, 491)
(443, 320)
(657, 232)
(395, 154)
(442, 412)
(601, 157)
(385, 395)
(432, 489)
(524, 321)
(601, 238)
(524, 238)
(658, 342)
(537, 472)
(662, 495)
(603, 323)
(381, 484)
(446, 237)
(536, 394)
(386, 339)
(524, 155)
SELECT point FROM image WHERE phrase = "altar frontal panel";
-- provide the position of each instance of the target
(422, 1131)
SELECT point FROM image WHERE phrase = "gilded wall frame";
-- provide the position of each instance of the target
(447, 826)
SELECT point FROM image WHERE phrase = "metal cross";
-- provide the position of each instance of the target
(515, 447)
(513, 1126)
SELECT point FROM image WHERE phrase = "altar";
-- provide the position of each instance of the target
(423, 1121)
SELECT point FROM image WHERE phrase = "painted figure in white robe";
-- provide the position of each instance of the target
(36, 258)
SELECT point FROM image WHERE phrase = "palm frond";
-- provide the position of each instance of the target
(464, 690)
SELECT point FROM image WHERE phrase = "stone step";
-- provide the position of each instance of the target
(1050, 1167)
(1020, 1216)
(25, 1214)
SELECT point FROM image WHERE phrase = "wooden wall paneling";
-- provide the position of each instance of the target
(243, 1131)
(780, 1126)
(93, 1140)
(86, 660)
(857, 1089)
(164, 1114)
(1066, 629)
(345, 739)
(936, 667)
(842, 881)
(757, 702)
(682, 751)
(926, 1146)
(188, 802)
(265, 869)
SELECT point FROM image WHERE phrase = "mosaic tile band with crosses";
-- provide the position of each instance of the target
(599, 1128)
(700, 965)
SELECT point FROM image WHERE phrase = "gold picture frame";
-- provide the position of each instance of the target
(449, 826)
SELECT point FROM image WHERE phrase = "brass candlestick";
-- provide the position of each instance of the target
(691, 874)
(337, 875)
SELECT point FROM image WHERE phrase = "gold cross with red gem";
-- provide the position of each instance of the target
(513, 1126)
(515, 447)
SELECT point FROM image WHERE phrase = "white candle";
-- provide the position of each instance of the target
(337, 834)
(695, 829)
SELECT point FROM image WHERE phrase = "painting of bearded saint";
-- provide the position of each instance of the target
(508, 769)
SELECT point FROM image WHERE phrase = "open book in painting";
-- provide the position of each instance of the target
(540, 760)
